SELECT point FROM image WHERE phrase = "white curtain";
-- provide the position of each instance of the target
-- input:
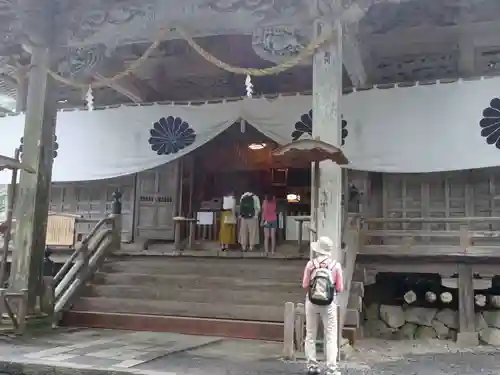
(416, 129)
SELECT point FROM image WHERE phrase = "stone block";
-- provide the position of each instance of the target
(424, 332)
(372, 312)
(407, 332)
(378, 329)
(442, 331)
(393, 316)
(492, 318)
(467, 339)
(490, 336)
(480, 322)
(448, 317)
(420, 315)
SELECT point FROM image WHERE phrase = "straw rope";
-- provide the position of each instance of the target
(106, 81)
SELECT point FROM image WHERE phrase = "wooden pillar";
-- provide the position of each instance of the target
(34, 189)
(467, 335)
(327, 92)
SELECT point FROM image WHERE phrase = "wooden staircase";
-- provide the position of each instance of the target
(209, 296)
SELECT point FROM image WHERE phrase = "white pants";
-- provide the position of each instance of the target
(249, 232)
(328, 316)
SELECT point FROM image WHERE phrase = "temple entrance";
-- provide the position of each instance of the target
(157, 202)
(239, 160)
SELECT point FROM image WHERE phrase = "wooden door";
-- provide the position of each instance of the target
(157, 202)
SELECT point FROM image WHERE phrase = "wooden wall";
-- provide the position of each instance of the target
(450, 194)
(92, 199)
(149, 201)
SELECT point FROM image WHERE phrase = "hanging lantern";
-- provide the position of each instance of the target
(249, 86)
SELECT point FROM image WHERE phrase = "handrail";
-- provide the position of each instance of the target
(86, 259)
(77, 266)
(429, 233)
(425, 220)
(82, 247)
(86, 269)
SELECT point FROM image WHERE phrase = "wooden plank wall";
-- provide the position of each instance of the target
(450, 194)
(93, 199)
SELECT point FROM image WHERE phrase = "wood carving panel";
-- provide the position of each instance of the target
(488, 60)
(263, 10)
(411, 68)
(388, 16)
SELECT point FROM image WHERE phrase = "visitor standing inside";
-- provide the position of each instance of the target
(269, 222)
(227, 232)
(322, 280)
(249, 222)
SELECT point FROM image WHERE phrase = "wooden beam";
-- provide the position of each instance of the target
(352, 56)
(466, 46)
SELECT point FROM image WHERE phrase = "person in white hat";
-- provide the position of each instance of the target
(322, 280)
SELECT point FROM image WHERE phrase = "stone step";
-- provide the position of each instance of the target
(194, 281)
(252, 330)
(355, 302)
(357, 288)
(352, 318)
(271, 313)
(228, 295)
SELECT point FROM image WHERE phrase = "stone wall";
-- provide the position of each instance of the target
(409, 323)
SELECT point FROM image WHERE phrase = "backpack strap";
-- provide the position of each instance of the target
(315, 264)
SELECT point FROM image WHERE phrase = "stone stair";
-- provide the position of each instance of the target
(352, 324)
(213, 296)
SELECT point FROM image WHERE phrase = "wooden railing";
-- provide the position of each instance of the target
(88, 256)
(460, 236)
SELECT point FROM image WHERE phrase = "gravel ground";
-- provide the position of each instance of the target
(372, 357)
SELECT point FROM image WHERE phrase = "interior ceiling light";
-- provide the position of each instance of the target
(256, 146)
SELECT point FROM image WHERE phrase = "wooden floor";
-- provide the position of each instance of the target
(212, 249)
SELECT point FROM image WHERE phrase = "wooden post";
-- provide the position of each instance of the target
(33, 203)
(177, 234)
(465, 238)
(47, 299)
(327, 92)
(467, 335)
(300, 325)
(288, 333)
(192, 228)
(299, 233)
(116, 209)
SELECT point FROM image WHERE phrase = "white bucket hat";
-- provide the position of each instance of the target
(324, 246)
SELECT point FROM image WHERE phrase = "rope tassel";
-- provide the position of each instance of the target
(90, 99)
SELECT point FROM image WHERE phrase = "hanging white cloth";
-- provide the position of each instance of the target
(429, 128)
